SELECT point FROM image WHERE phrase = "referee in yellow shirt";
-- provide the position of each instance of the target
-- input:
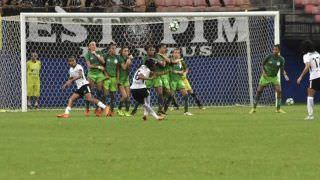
(33, 80)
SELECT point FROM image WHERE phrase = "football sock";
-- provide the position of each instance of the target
(310, 105)
(101, 105)
(135, 108)
(160, 103)
(167, 104)
(127, 103)
(67, 111)
(174, 102)
(278, 103)
(256, 99)
(185, 99)
(111, 103)
(120, 105)
(194, 96)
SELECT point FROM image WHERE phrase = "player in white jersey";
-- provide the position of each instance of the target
(139, 89)
(311, 60)
(77, 75)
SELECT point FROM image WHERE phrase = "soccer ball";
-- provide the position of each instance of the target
(289, 101)
(174, 25)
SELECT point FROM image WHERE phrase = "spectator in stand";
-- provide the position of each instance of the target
(61, 3)
(76, 3)
(9, 2)
(32, 3)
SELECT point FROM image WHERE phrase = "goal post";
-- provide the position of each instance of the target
(224, 50)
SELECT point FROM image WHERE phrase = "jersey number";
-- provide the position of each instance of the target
(316, 61)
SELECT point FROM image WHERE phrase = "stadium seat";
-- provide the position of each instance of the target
(140, 6)
(186, 6)
(214, 5)
(230, 5)
(200, 5)
(317, 18)
(298, 3)
(171, 5)
(243, 4)
(310, 8)
(160, 5)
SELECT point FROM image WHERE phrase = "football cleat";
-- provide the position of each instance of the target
(63, 115)
(280, 111)
(309, 118)
(87, 113)
(188, 114)
(253, 110)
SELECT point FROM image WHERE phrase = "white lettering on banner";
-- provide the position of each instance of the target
(198, 31)
(40, 30)
(34, 29)
(239, 26)
(79, 31)
(107, 30)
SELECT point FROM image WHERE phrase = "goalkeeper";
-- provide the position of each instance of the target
(271, 66)
(33, 80)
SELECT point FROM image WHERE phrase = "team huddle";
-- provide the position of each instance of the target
(108, 73)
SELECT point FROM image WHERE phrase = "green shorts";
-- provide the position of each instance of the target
(157, 82)
(96, 77)
(165, 81)
(149, 84)
(124, 83)
(111, 84)
(264, 81)
(177, 85)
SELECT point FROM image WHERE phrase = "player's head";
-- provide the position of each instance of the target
(112, 49)
(162, 49)
(92, 46)
(276, 49)
(307, 46)
(124, 51)
(34, 56)
(176, 53)
(150, 64)
(150, 50)
(72, 61)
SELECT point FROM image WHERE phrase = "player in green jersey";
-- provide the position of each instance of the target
(111, 66)
(123, 80)
(271, 66)
(149, 83)
(187, 84)
(94, 60)
(162, 82)
(176, 81)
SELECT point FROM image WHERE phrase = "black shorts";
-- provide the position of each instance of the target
(140, 94)
(315, 84)
(85, 89)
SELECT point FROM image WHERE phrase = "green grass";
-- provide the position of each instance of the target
(216, 143)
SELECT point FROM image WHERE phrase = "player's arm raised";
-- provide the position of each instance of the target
(304, 72)
(71, 79)
(92, 66)
(99, 57)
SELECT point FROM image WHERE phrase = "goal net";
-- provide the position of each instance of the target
(223, 51)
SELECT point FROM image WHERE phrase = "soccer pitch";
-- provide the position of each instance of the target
(216, 143)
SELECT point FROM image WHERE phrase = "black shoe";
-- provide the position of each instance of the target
(162, 113)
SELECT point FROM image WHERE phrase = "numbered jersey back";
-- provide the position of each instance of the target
(138, 83)
(314, 60)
